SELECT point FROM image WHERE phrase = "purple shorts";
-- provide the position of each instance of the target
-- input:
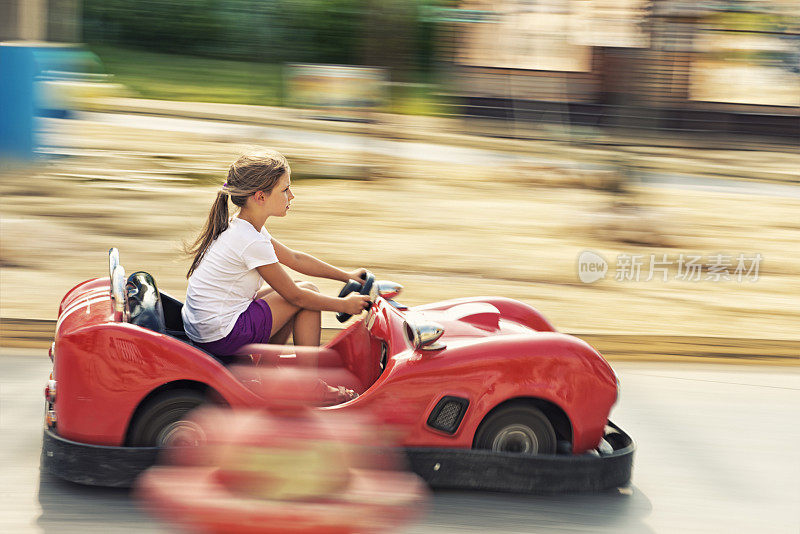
(253, 326)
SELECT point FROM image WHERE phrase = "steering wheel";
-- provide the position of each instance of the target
(363, 289)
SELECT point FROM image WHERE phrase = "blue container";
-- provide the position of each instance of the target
(17, 105)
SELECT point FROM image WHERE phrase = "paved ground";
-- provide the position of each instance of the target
(716, 453)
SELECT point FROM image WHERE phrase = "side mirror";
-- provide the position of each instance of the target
(424, 335)
(388, 290)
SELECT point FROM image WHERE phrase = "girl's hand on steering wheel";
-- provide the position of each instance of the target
(354, 303)
(356, 275)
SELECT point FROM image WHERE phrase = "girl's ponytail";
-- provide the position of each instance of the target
(216, 224)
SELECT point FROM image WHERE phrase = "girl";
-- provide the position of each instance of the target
(226, 308)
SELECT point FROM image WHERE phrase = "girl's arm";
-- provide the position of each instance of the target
(309, 265)
(281, 282)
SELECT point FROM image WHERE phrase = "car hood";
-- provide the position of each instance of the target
(469, 320)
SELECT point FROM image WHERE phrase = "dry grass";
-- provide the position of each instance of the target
(442, 231)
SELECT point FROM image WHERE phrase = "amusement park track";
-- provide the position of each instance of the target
(716, 453)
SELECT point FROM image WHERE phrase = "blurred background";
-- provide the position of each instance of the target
(578, 155)
(458, 148)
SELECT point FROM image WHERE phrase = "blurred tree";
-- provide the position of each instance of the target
(168, 26)
(389, 35)
(319, 31)
(385, 33)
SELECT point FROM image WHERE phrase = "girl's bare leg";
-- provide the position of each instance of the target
(281, 337)
(307, 328)
(263, 292)
(305, 325)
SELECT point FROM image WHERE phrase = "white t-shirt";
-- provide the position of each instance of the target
(226, 281)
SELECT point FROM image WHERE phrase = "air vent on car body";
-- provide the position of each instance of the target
(448, 413)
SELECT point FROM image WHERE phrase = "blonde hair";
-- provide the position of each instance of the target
(258, 171)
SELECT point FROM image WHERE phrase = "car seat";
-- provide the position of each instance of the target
(144, 302)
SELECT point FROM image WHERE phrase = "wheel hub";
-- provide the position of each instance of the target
(180, 434)
(516, 438)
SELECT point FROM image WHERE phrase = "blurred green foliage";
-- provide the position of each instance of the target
(390, 33)
(166, 76)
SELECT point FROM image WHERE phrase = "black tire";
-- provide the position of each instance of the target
(159, 419)
(518, 428)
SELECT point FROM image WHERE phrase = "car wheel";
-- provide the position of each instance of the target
(162, 421)
(520, 429)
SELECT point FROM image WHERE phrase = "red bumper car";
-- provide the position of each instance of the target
(500, 400)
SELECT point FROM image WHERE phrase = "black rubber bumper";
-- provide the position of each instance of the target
(98, 465)
(94, 465)
(522, 473)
